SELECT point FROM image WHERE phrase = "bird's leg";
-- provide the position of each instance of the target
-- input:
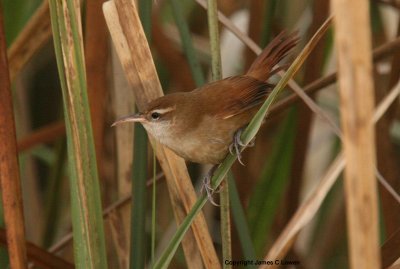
(236, 147)
(207, 184)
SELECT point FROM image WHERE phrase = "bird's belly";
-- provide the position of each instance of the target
(200, 149)
(207, 143)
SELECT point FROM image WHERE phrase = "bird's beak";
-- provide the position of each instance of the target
(139, 117)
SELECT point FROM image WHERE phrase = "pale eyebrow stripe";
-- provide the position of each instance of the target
(164, 110)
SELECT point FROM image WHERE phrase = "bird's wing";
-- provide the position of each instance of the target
(239, 94)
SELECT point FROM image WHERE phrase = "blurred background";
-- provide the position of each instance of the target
(292, 151)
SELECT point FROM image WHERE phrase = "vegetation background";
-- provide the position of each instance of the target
(279, 205)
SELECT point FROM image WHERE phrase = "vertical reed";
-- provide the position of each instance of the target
(216, 68)
(353, 42)
(89, 243)
(9, 169)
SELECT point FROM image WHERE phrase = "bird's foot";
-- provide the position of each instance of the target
(207, 185)
(237, 145)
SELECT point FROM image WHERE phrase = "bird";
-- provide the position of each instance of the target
(205, 124)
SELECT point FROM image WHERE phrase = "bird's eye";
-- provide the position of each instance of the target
(155, 115)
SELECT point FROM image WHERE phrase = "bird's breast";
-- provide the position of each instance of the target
(207, 143)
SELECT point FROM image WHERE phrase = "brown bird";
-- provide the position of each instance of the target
(201, 125)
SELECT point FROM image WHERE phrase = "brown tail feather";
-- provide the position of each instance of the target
(276, 50)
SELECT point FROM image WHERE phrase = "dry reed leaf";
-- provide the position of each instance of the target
(34, 35)
(356, 90)
(134, 53)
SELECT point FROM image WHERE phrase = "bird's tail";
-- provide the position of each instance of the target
(263, 66)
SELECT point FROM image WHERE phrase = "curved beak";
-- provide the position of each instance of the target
(139, 117)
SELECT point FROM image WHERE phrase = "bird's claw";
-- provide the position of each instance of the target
(236, 147)
(208, 188)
